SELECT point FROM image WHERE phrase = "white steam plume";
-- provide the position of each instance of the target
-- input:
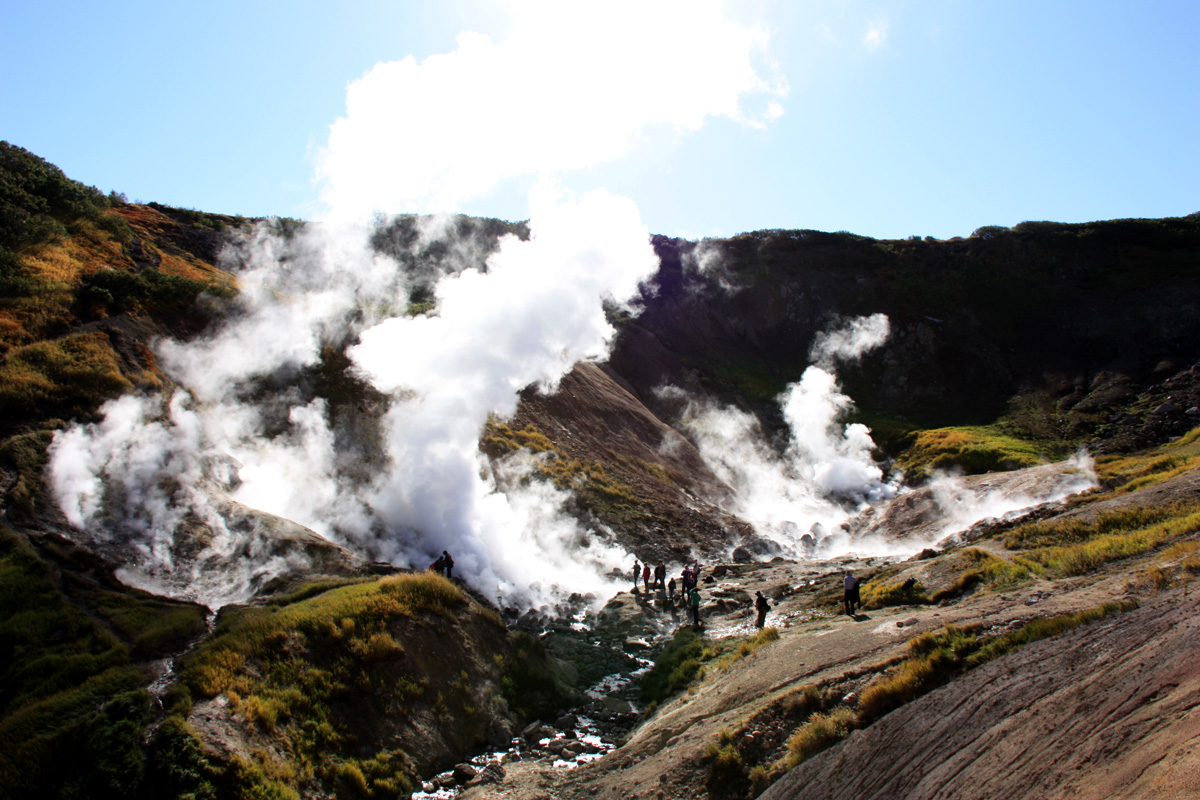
(574, 86)
(825, 473)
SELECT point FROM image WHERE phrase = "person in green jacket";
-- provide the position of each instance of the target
(694, 599)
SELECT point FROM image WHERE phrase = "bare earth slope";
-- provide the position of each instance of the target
(1108, 710)
(1111, 709)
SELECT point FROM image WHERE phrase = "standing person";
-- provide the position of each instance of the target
(671, 591)
(646, 577)
(449, 564)
(850, 595)
(694, 600)
(637, 573)
(660, 576)
(762, 605)
(438, 566)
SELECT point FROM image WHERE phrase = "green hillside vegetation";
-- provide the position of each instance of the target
(71, 258)
(322, 673)
(74, 645)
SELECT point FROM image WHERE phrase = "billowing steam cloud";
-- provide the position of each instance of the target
(825, 473)
(575, 85)
(176, 487)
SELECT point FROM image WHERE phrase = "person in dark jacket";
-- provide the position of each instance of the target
(850, 595)
(762, 605)
(449, 563)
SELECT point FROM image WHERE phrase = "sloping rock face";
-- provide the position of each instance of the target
(1111, 709)
(595, 418)
(948, 505)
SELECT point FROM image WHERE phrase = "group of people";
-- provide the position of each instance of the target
(444, 565)
(689, 595)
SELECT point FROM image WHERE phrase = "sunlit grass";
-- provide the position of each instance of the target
(1129, 473)
(882, 593)
(982, 570)
(972, 450)
(1090, 555)
(934, 658)
(69, 374)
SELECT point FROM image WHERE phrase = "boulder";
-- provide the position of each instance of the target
(464, 772)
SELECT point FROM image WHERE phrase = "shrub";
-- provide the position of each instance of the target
(879, 594)
(820, 732)
(674, 668)
(725, 765)
(63, 377)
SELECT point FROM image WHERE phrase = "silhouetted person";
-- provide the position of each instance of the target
(646, 577)
(438, 566)
(671, 591)
(449, 563)
(637, 573)
(850, 595)
(660, 576)
(762, 605)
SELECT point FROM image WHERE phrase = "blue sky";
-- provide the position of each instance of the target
(927, 117)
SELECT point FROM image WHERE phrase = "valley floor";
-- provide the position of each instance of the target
(1108, 710)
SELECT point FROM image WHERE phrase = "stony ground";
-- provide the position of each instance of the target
(1139, 690)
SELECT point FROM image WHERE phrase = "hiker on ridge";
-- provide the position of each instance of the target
(449, 563)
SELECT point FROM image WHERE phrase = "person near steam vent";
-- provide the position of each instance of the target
(448, 563)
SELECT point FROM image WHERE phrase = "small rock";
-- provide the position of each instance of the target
(566, 721)
(491, 773)
(536, 731)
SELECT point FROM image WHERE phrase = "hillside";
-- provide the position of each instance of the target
(325, 672)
